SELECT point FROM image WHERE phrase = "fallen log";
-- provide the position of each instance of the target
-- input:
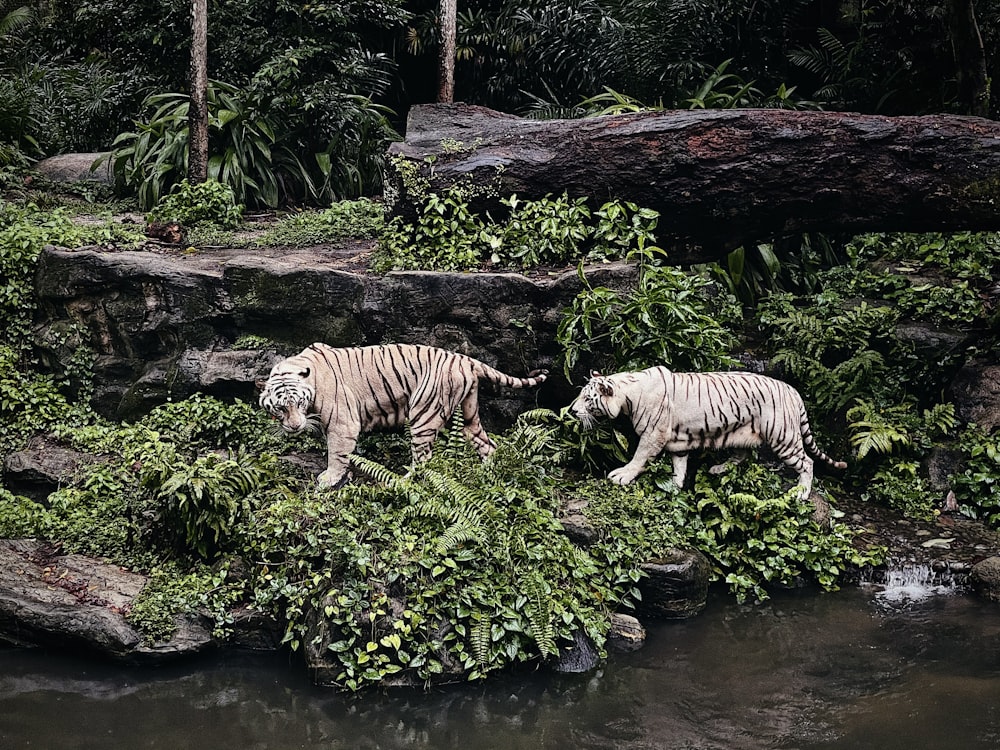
(719, 178)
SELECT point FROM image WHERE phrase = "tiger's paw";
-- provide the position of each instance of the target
(333, 479)
(624, 475)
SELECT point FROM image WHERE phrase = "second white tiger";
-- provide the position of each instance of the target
(678, 412)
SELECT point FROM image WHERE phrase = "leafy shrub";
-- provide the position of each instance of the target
(755, 533)
(758, 535)
(547, 231)
(834, 352)
(977, 484)
(361, 219)
(457, 563)
(447, 236)
(254, 147)
(207, 500)
(24, 231)
(192, 204)
(670, 318)
(170, 592)
(20, 516)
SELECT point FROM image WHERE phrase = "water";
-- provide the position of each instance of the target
(854, 669)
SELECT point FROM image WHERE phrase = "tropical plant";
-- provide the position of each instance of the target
(192, 204)
(254, 148)
(669, 318)
(460, 562)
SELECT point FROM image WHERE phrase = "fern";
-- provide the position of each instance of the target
(481, 637)
(379, 473)
(539, 615)
(940, 419)
(871, 431)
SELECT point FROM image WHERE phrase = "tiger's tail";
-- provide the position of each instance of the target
(810, 443)
(535, 377)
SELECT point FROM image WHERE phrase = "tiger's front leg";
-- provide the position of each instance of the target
(649, 448)
(338, 449)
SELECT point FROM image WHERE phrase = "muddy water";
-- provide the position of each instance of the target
(864, 668)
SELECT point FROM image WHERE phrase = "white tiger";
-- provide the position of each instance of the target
(680, 412)
(351, 390)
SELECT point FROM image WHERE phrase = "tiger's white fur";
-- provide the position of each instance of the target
(347, 391)
(680, 412)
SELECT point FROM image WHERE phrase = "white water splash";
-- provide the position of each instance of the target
(905, 583)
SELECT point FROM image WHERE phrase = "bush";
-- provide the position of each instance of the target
(193, 204)
(447, 236)
(671, 318)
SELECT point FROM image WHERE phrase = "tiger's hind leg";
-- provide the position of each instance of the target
(473, 428)
(799, 462)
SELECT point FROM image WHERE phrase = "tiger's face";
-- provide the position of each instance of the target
(287, 395)
(597, 401)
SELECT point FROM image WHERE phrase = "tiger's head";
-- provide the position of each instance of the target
(597, 400)
(287, 394)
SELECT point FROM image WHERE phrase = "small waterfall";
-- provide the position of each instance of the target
(902, 582)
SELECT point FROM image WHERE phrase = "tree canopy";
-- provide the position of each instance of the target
(327, 84)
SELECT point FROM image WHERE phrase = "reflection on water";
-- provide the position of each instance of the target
(805, 671)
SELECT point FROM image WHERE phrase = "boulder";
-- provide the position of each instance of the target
(42, 467)
(76, 168)
(164, 324)
(675, 586)
(985, 578)
(976, 393)
(626, 634)
(579, 656)
(74, 601)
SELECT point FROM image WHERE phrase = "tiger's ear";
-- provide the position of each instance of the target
(305, 373)
(606, 389)
(595, 374)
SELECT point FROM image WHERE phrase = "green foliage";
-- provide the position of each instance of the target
(755, 533)
(204, 423)
(669, 318)
(934, 277)
(192, 204)
(31, 402)
(170, 593)
(758, 535)
(24, 231)
(170, 494)
(977, 483)
(207, 499)
(722, 90)
(458, 564)
(834, 352)
(20, 516)
(252, 149)
(547, 231)
(897, 484)
(447, 236)
(358, 219)
(884, 430)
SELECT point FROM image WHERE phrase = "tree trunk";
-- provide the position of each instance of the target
(448, 10)
(719, 178)
(198, 110)
(970, 57)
